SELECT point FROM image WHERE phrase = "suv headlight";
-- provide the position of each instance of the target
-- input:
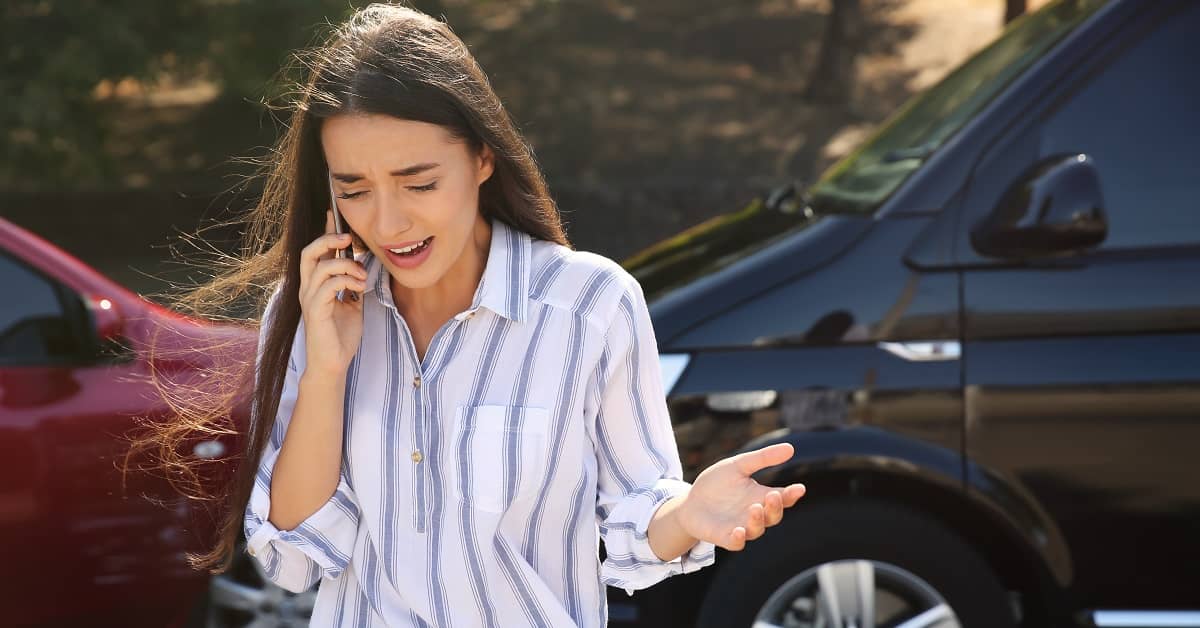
(672, 365)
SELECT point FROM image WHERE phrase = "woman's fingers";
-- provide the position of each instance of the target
(737, 539)
(334, 271)
(756, 522)
(319, 250)
(334, 283)
(752, 461)
(762, 514)
(322, 247)
(773, 505)
(792, 494)
(341, 266)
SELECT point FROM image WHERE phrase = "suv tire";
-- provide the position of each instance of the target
(918, 557)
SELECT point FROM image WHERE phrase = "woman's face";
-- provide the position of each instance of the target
(399, 182)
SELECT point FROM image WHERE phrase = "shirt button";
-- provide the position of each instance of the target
(417, 382)
(416, 456)
(251, 551)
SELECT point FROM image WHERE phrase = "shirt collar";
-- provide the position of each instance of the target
(504, 287)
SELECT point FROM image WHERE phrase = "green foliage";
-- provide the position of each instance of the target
(53, 53)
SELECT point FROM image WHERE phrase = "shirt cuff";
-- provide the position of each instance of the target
(327, 536)
(630, 563)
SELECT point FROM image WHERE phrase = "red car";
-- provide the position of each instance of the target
(80, 547)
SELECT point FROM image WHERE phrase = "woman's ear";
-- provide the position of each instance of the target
(487, 164)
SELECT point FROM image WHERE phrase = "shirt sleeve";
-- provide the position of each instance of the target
(321, 544)
(637, 457)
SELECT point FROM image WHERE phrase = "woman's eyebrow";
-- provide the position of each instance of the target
(350, 177)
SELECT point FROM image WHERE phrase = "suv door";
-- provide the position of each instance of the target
(1082, 328)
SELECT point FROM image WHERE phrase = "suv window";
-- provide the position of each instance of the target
(35, 326)
(862, 181)
(1139, 117)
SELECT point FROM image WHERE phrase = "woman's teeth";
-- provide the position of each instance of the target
(416, 248)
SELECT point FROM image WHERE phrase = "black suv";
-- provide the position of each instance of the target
(981, 332)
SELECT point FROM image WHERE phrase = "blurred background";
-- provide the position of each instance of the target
(130, 122)
(999, 366)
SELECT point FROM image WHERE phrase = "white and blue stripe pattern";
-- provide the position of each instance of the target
(542, 423)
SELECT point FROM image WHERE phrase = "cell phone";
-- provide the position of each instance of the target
(339, 226)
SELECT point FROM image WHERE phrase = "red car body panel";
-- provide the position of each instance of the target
(80, 547)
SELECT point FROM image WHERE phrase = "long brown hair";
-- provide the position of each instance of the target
(384, 59)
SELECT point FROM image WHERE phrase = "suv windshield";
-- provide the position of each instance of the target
(861, 181)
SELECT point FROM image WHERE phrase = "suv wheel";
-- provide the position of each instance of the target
(847, 592)
(856, 563)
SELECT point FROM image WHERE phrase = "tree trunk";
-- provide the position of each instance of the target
(834, 74)
(1014, 9)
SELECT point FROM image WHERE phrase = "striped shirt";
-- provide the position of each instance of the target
(477, 483)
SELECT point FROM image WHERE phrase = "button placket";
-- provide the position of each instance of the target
(421, 424)
(418, 428)
(417, 455)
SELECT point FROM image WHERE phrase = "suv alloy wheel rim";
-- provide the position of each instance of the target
(856, 594)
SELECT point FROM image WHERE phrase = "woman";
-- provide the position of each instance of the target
(448, 448)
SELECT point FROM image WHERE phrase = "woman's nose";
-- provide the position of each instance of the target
(391, 217)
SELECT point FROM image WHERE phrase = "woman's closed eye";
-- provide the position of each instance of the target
(429, 187)
(424, 188)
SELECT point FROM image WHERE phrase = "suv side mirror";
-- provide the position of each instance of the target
(1055, 208)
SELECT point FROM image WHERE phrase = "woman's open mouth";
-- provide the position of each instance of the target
(413, 256)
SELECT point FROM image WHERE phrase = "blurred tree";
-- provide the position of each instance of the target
(1014, 9)
(834, 72)
(54, 54)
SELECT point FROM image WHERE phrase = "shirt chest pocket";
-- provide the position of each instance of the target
(499, 454)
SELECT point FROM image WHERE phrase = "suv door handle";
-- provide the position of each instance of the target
(924, 350)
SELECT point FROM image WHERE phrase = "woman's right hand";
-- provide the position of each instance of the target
(332, 329)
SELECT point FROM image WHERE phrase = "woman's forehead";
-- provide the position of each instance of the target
(375, 140)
